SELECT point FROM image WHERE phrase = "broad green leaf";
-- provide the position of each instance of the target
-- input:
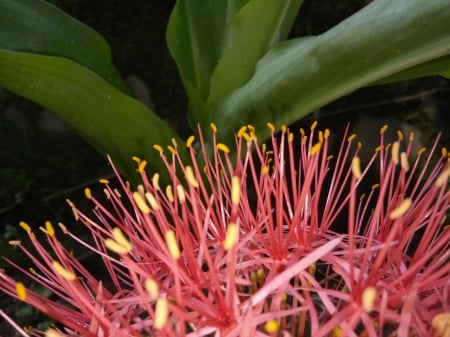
(110, 120)
(258, 26)
(296, 77)
(217, 43)
(36, 26)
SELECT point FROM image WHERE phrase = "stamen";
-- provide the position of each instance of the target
(271, 127)
(232, 236)
(136, 159)
(189, 141)
(222, 147)
(400, 135)
(313, 125)
(49, 229)
(25, 226)
(190, 177)
(15, 242)
(401, 209)
(235, 190)
(62, 227)
(120, 238)
(21, 291)
(152, 201)
(441, 324)
(272, 326)
(171, 149)
(404, 161)
(443, 177)
(356, 168)
(169, 193)
(369, 296)
(161, 313)
(116, 247)
(140, 203)
(383, 129)
(172, 244)
(141, 166)
(315, 148)
(213, 127)
(151, 286)
(87, 193)
(395, 152)
(103, 181)
(158, 148)
(444, 152)
(180, 194)
(52, 333)
(241, 131)
(63, 272)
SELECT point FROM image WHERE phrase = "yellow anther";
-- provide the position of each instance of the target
(141, 166)
(320, 136)
(158, 148)
(260, 275)
(337, 332)
(232, 236)
(283, 128)
(302, 132)
(312, 270)
(32, 271)
(117, 193)
(172, 244)
(151, 286)
(87, 193)
(161, 313)
(356, 168)
(421, 150)
(174, 142)
(326, 133)
(140, 203)
(241, 131)
(404, 161)
(180, 193)
(383, 129)
(411, 136)
(271, 127)
(136, 159)
(395, 152)
(351, 137)
(313, 125)
(171, 149)
(272, 326)
(169, 193)
(247, 137)
(400, 135)
(63, 228)
(400, 209)
(251, 128)
(378, 148)
(190, 177)
(375, 186)
(25, 226)
(49, 229)
(63, 272)
(444, 152)
(53, 333)
(116, 247)
(21, 291)
(368, 298)
(443, 177)
(189, 141)
(14, 242)
(103, 181)
(235, 190)
(155, 181)
(222, 147)
(315, 148)
(265, 169)
(290, 137)
(140, 189)
(120, 238)
(70, 203)
(213, 127)
(441, 324)
(263, 148)
(152, 201)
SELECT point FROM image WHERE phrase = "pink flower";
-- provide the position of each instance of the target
(246, 245)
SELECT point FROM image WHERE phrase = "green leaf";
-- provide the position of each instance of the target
(216, 44)
(110, 120)
(36, 26)
(296, 77)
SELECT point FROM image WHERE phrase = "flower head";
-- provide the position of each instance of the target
(246, 245)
